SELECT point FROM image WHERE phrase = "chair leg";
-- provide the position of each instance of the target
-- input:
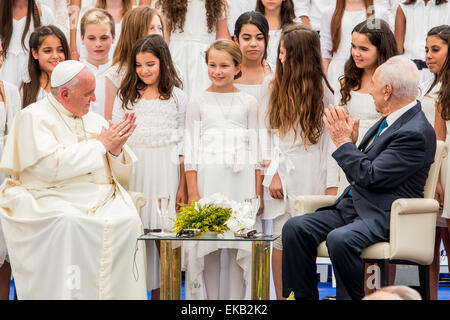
(384, 272)
(424, 280)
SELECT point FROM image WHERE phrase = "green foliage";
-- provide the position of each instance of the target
(207, 218)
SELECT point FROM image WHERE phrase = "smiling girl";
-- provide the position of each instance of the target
(137, 23)
(371, 46)
(152, 89)
(220, 158)
(48, 47)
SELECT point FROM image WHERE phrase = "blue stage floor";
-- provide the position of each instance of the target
(325, 289)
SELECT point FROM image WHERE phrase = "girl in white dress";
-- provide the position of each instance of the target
(438, 94)
(193, 25)
(151, 88)
(221, 156)
(9, 105)
(295, 147)
(137, 23)
(48, 47)
(279, 14)
(370, 48)
(18, 19)
(413, 20)
(338, 21)
(252, 36)
(117, 8)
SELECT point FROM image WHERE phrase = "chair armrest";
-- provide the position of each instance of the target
(309, 204)
(138, 199)
(413, 230)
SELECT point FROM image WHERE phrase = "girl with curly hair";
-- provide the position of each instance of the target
(193, 26)
(371, 47)
(137, 23)
(335, 33)
(151, 89)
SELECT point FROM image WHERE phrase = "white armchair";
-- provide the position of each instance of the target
(412, 228)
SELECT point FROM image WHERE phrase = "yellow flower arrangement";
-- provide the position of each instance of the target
(207, 218)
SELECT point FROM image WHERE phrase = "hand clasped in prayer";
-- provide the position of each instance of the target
(340, 126)
(117, 134)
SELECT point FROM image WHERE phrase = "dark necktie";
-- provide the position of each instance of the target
(382, 126)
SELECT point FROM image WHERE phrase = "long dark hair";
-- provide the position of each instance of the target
(287, 12)
(6, 25)
(258, 20)
(37, 37)
(131, 88)
(336, 22)
(175, 12)
(383, 39)
(443, 32)
(2, 92)
(297, 90)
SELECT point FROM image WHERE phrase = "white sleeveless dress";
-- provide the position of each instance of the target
(219, 148)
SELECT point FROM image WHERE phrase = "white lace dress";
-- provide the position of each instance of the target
(360, 106)
(7, 112)
(157, 142)
(219, 147)
(15, 66)
(188, 48)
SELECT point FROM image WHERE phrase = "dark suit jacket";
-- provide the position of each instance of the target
(394, 166)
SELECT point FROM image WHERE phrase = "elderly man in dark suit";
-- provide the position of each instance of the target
(391, 162)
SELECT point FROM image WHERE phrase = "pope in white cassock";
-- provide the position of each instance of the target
(71, 229)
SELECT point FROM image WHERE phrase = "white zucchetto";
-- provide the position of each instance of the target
(65, 71)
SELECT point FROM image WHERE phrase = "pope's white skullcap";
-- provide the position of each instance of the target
(65, 71)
